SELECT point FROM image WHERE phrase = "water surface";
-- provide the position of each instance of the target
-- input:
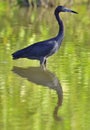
(57, 98)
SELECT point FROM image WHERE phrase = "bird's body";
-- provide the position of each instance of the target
(38, 51)
(42, 50)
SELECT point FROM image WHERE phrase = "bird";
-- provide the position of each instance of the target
(44, 49)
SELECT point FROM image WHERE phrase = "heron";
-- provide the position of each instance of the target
(44, 49)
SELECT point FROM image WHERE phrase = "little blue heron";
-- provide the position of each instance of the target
(43, 49)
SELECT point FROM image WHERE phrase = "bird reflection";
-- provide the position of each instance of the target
(45, 78)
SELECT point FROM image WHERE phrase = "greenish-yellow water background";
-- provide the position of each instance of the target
(55, 99)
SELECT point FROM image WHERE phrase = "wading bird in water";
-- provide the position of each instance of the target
(43, 49)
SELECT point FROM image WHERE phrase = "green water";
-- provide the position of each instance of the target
(57, 98)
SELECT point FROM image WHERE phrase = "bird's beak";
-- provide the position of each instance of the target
(68, 10)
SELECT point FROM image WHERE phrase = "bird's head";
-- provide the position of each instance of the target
(63, 9)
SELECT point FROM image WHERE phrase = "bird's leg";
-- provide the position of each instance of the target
(43, 62)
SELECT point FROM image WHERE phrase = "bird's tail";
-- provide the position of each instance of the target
(18, 54)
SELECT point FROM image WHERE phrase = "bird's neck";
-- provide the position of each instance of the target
(60, 35)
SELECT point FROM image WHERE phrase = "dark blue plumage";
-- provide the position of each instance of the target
(42, 50)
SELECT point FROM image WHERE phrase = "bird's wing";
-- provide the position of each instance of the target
(39, 49)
